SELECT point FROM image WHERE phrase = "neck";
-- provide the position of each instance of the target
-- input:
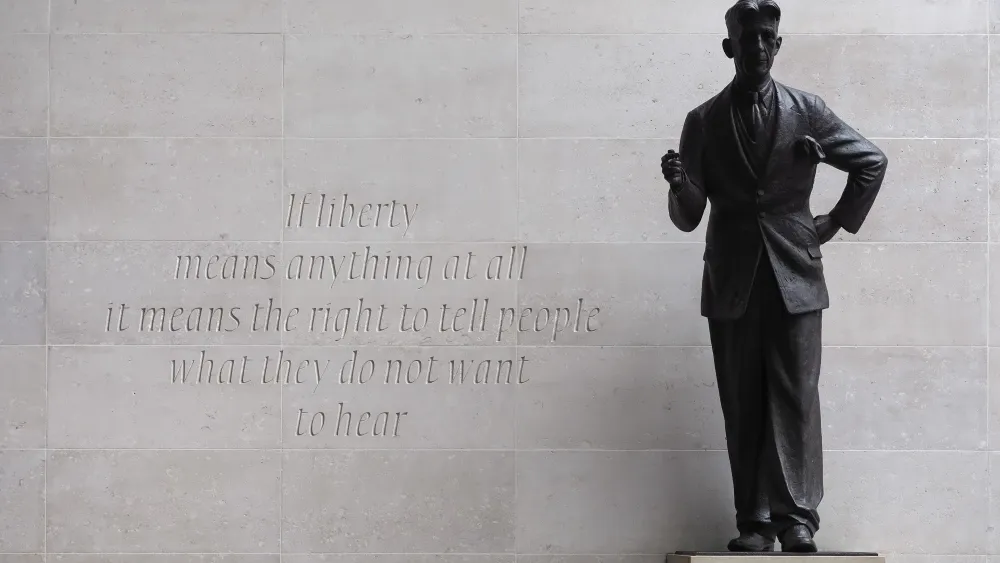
(746, 83)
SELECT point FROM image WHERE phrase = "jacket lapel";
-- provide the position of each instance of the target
(786, 125)
(724, 122)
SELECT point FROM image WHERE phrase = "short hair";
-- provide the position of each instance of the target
(743, 8)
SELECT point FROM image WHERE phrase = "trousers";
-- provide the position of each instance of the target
(767, 365)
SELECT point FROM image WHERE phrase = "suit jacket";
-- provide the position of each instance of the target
(768, 212)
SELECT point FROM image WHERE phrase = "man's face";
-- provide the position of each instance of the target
(754, 44)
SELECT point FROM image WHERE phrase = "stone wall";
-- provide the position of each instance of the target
(522, 355)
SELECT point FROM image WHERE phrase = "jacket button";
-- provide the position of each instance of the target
(760, 192)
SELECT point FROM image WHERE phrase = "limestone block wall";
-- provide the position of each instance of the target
(344, 281)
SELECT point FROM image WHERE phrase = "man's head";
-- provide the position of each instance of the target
(753, 38)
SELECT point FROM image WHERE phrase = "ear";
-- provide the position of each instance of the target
(727, 47)
(777, 45)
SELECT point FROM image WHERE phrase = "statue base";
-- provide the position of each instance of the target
(773, 557)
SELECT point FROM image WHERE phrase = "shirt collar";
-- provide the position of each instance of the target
(766, 92)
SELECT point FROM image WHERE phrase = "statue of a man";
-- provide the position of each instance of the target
(752, 151)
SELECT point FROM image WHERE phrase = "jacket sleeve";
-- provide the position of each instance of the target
(686, 203)
(850, 152)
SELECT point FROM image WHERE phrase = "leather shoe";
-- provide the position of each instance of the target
(798, 539)
(751, 541)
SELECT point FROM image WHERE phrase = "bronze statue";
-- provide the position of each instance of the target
(752, 151)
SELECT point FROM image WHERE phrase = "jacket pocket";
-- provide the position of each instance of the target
(814, 252)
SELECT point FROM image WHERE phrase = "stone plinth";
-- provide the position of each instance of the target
(774, 557)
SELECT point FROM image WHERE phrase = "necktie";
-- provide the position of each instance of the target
(757, 127)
